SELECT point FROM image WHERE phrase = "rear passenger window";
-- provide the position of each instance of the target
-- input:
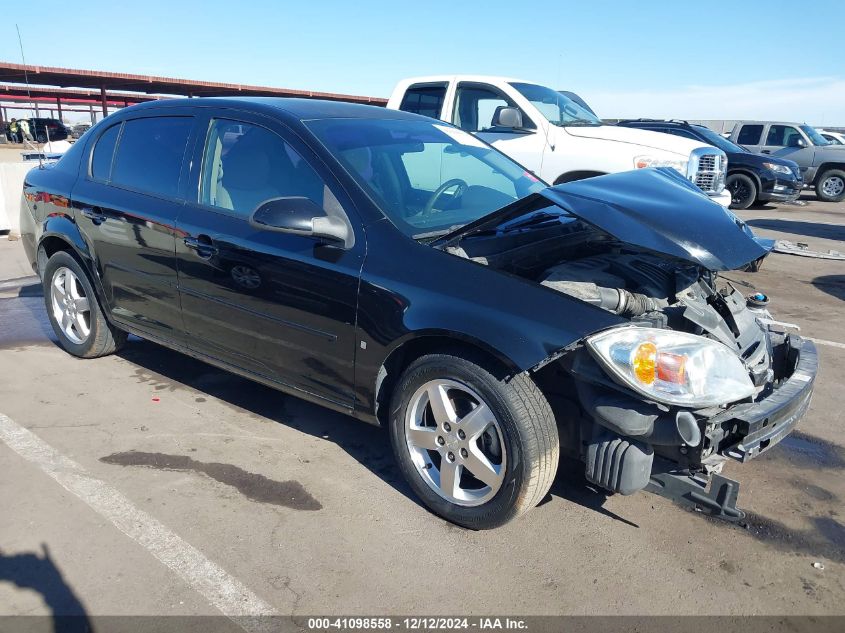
(103, 153)
(424, 100)
(149, 156)
(750, 135)
(245, 165)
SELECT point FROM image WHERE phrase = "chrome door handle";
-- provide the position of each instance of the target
(202, 245)
(92, 214)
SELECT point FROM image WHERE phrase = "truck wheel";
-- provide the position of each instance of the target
(830, 186)
(478, 450)
(743, 191)
(74, 311)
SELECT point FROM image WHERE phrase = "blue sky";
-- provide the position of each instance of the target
(700, 59)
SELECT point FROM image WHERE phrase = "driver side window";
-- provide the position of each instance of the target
(246, 164)
(781, 135)
(475, 106)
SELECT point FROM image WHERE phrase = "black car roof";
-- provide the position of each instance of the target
(302, 109)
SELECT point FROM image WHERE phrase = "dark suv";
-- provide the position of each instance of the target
(398, 269)
(751, 177)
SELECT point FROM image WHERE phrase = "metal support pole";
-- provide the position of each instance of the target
(59, 106)
(91, 111)
(104, 101)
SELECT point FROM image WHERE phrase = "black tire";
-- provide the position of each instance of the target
(529, 433)
(743, 190)
(830, 186)
(103, 338)
(41, 137)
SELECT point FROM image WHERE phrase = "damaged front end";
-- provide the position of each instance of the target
(697, 375)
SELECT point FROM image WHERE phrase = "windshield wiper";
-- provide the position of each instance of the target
(437, 233)
(579, 123)
(534, 219)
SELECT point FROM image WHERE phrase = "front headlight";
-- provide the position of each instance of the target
(778, 169)
(672, 367)
(680, 165)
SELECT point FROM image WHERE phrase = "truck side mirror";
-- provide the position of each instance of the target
(796, 141)
(507, 117)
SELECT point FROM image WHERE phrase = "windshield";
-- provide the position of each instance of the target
(717, 140)
(427, 177)
(817, 138)
(557, 108)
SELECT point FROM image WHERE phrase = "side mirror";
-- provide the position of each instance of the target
(796, 141)
(507, 117)
(298, 216)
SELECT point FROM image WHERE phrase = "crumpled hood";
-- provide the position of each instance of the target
(654, 209)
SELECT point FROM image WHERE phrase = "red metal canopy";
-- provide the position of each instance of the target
(108, 81)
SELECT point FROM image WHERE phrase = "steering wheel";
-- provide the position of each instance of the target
(454, 182)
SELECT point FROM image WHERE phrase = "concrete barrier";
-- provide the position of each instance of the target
(11, 185)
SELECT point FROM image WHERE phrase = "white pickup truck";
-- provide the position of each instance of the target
(552, 135)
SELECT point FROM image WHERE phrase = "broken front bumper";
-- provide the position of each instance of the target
(762, 424)
(759, 426)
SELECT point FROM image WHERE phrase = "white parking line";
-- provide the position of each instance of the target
(821, 341)
(210, 580)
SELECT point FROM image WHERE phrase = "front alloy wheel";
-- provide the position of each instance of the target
(456, 442)
(478, 447)
(743, 191)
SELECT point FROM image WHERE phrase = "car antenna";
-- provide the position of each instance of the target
(28, 92)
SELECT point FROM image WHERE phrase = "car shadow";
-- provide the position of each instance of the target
(571, 484)
(367, 444)
(29, 570)
(798, 227)
(833, 285)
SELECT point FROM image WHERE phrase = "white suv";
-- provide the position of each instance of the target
(552, 135)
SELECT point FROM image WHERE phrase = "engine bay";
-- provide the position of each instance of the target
(655, 290)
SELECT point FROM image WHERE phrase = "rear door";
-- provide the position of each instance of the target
(126, 204)
(750, 135)
(426, 99)
(279, 306)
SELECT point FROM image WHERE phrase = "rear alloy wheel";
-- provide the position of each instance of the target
(830, 186)
(74, 311)
(743, 191)
(478, 450)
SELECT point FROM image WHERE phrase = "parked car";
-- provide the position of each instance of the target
(822, 164)
(751, 177)
(79, 129)
(834, 138)
(398, 269)
(553, 136)
(42, 130)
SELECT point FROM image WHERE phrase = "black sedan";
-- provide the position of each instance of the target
(752, 178)
(398, 269)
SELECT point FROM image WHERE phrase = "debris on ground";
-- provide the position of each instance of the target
(803, 249)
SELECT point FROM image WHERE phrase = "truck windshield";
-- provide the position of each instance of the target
(557, 108)
(817, 138)
(427, 177)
